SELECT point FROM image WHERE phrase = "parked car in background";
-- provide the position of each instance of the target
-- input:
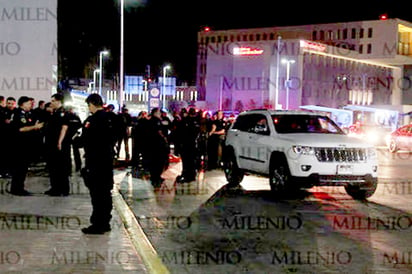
(373, 134)
(400, 139)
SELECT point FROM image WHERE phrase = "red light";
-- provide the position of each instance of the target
(383, 16)
(206, 29)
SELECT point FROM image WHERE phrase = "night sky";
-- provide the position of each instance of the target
(165, 31)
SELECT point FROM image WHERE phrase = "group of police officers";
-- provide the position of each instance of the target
(195, 135)
(48, 133)
(30, 135)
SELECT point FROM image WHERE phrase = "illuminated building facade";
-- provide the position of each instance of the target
(361, 63)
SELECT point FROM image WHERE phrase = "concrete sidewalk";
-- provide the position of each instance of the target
(42, 234)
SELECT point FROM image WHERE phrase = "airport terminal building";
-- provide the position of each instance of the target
(366, 63)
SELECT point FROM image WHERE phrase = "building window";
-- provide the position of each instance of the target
(238, 38)
(369, 32)
(232, 38)
(361, 31)
(244, 37)
(264, 36)
(258, 37)
(322, 35)
(213, 39)
(219, 39)
(360, 49)
(314, 35)
(272, 36)
(369, 50)
(353, 33)
(338, 34)
(251, 37)
(345, 34)
(330, 35)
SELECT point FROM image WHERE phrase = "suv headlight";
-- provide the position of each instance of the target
(304, 150)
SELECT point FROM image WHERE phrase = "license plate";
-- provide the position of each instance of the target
(344, 169)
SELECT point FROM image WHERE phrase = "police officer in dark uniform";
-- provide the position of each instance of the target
(75, 124)
(158, 152)
(190, 129)
(215, 140)
(3, 128)
(8, 135)
(22, 126)
(57, 145)
(98, 138)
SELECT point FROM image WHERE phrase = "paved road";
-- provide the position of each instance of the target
(41, 234)
(206, 227)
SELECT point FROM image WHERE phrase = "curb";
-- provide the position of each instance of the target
(141, 243)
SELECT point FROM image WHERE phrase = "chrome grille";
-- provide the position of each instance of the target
(331, 154)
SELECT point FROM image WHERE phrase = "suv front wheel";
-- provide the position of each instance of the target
(362, 191)
(234, 175)
(279, 175)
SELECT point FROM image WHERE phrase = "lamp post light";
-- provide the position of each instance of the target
(105, 52)
(94, 79)
(164, 85)
(287, 81)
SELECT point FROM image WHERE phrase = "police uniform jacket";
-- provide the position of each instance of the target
(97, 139)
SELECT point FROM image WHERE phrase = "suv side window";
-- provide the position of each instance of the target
(242, 123)
(254, 123)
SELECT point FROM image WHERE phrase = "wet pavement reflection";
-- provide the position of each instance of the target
(207, 227)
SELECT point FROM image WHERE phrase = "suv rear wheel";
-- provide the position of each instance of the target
(362, 191)
(279, 174)
(234, 175)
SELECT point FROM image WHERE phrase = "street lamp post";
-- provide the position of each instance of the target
(287, 81)
(164, 85)
(94, 79)
(277, 73)
(121, 52)
(90, 88)
(105, 52)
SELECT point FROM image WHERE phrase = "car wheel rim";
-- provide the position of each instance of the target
(279, 178)
(392, 145)
(229, 169)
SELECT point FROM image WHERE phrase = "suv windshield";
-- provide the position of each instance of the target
(298, 123)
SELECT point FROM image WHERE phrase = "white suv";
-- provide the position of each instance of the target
(298, 150)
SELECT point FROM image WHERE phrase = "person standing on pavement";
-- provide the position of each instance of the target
(8, 135)
(189, 151)
(57, 148)
(125, 123)
(3, 128)
(215, 140)
(40, 114)
(22, 126)
(139, 138)
(97, 139)
(157, 155)
(75, 124)
(116, 121)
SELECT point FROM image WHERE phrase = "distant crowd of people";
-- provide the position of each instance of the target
(196, 136)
